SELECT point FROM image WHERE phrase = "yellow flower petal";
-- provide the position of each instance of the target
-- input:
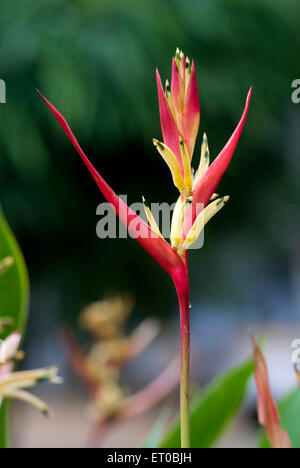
(201, 220)
(188, 71)
(169, 99)
(204, 160)
(173, 164)
(151, 219)
(177, 222)
(188, 178)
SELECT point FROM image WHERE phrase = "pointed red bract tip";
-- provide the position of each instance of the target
(169, 129)
(208, 183)
(157, 247)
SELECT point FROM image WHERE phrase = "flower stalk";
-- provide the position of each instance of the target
(183, 293)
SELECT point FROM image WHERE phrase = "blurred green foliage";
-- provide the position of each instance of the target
(95, 60)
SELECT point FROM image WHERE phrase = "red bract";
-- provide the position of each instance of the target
(169, 128)
(268, 415)
(210, 180)
(179, 106)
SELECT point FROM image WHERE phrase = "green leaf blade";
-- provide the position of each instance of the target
(14, 284)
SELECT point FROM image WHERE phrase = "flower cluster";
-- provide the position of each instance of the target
(180, 119)
(100, 370)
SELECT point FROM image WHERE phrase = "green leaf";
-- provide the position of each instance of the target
(155, 435)
(289, 410)
(14, 299)
(5, 425)
(213, 408)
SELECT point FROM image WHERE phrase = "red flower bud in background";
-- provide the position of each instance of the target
(268, 415)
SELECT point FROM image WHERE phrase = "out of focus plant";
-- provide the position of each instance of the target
(197, 202)
(14, 295)
(280, 422)
(100, 369)
(211, 410)
(13, 384)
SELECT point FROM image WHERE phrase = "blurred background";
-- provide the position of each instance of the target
(95, 60)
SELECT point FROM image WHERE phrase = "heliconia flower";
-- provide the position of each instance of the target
(201, 220)
(180, 117)
(268, 415)
(12, 384)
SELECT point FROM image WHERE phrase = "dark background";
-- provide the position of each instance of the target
(95, 60)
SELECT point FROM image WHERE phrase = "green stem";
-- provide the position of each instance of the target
(182, 287)
(185, 390)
